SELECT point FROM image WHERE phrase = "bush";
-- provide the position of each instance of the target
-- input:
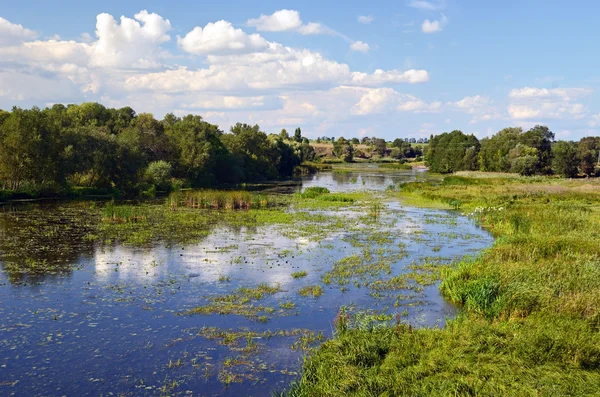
(158, 173)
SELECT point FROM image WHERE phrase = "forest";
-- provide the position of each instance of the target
(89, 146)
(532, 152)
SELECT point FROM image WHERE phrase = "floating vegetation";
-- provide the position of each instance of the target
(311, 290)
(300, 274)
(240, 302)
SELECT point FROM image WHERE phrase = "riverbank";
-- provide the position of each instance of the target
(530, 304)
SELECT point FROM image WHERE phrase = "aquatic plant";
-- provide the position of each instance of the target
(311, 290)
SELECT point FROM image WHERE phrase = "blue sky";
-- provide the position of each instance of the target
(407, 68)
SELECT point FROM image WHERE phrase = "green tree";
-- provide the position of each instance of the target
(587, 151)
(199, 149)
(380, 146)
(565, 159)
(452, 151)
(343, 149)
(284, 135)
(298, 135)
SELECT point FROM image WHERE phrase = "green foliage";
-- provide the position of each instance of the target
(452, 152)
(159, 174)
(588, 149)
(312, 192)
(56, 149)
(565, 159)
(343, 149)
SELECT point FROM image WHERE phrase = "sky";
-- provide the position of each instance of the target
(403, 68)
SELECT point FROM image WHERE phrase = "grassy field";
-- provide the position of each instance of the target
(530, 318)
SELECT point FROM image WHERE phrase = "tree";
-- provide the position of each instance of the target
(298, 135)
(524, 160)
(380, 146)
(199, 149)
(587, 151)
(343, 149)
(493, 155)
(453, 151)
(565, 159)
(284, 135)
(540, 138)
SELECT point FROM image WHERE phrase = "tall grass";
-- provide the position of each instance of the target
(220, 199)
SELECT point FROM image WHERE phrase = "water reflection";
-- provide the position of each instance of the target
(369, 178)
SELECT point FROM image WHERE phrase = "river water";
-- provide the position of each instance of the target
(113, 321)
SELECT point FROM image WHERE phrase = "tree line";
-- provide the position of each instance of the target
(90, 145)
(531, 152)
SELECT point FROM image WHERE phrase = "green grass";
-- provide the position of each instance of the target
(530, 318)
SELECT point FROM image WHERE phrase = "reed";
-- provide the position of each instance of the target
(220, 200)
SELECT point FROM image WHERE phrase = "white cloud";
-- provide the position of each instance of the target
(359, 46)
(380, 100)
(279, 21)
(427, 5)
(594, 120)
(434, 26)
(381, 77)
(313, 28)
(375, 101)
(547, 111)
(471, 104)
(219, 38)
(132, 44)
(366, 19)
(218, 102)
(11, 33)
(564, 94)
(542, 103)
(288, 20)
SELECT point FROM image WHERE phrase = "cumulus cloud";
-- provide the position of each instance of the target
(380, 100)
(434, 26)
(359, 46)
(219, 38)
(481, 108)
(132, 43)
(285, 21)
(542, 103)
(366, 19)
(279, 21)
(11, 33)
